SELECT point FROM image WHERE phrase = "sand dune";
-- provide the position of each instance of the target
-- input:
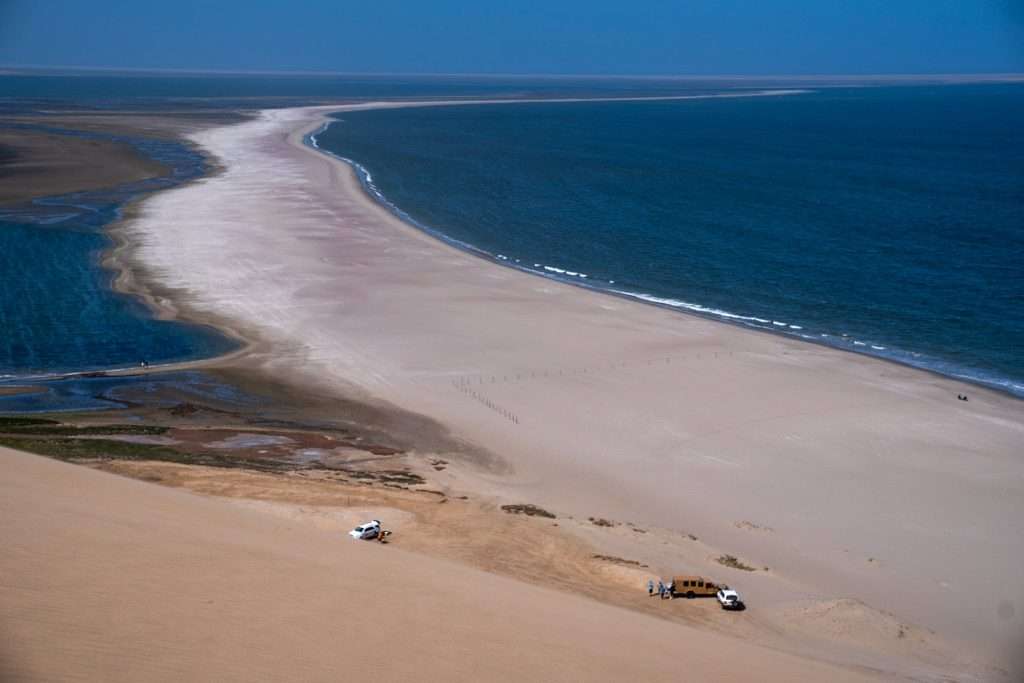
(107, 579)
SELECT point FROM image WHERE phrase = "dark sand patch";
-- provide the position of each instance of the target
(36, 164)
(20, 391)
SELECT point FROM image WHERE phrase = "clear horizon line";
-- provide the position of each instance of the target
(14, 69)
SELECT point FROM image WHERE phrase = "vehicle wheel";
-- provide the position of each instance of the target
(690, 595)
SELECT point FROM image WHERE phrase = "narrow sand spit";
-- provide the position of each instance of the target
(873, 482)
(112, 580)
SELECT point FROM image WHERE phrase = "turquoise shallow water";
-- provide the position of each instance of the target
(886, 221)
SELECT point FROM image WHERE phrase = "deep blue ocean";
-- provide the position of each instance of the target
(883, 220)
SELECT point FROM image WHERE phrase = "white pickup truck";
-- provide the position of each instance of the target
(729, 599)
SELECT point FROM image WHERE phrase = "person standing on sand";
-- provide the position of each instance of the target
(661, 590)
(650, 588)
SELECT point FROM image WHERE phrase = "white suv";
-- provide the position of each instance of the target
(366, 531)
(729, 599)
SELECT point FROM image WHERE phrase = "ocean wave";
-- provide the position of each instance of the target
(563, 271)
(686, 305)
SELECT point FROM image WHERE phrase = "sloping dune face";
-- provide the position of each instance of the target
(109, 579)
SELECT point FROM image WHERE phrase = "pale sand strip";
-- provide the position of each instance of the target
(877, 483)
(107, 579)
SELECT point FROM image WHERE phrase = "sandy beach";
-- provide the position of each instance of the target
(850, 487)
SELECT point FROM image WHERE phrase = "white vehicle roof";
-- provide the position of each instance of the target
(728, 592)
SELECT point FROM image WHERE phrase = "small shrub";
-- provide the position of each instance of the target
(731, 561)
(528, 510)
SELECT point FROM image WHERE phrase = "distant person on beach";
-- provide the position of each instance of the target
(650, 587)
(661, 589)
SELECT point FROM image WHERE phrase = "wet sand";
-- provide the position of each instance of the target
(35, 164)
(845, 476)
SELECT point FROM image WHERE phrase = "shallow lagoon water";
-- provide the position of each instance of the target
(58, 310)
(159, 390)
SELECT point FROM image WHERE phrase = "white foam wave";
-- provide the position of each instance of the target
(676, 303)
(562, 271)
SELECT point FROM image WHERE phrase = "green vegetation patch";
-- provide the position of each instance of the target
(82, 449)
(11, 422)
(71, 449)
(51, 428)
(401, 477)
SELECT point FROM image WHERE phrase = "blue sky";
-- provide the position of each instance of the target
(552, 36)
